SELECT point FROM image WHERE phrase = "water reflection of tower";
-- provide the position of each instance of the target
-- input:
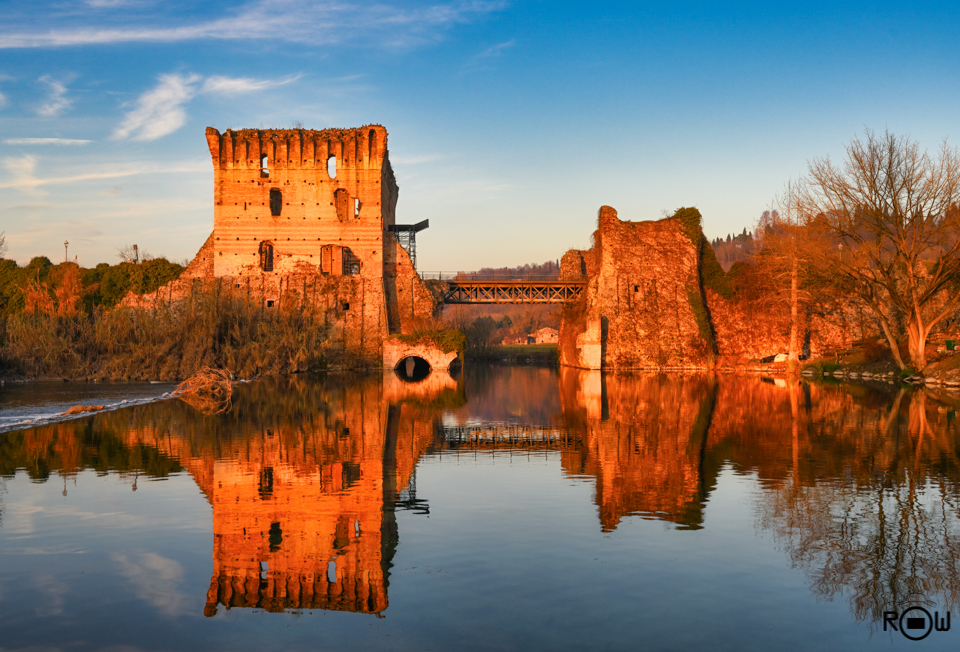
(303, 509)
(302, 517)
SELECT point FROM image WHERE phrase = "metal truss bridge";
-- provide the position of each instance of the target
(510, 437)
(469, 288)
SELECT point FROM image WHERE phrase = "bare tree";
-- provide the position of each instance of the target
(885, 228)
(784, 258)
(133, 254)
(3, 244)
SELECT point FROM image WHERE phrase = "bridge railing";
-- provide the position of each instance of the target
(474, 277)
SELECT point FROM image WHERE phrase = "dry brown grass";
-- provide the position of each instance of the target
(209, 390)
(80, 409)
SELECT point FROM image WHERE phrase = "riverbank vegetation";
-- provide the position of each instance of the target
(881, 232)
(57, 338)
(40, 284)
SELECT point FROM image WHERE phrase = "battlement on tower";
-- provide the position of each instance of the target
(362, 148)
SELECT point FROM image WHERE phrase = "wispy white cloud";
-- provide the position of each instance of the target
(497, 50)
(3, 100)
(483, 60)
(156, 580)
(237, 85)
(45, 141)
(21, 173)
(57, 102)
(159, 111)
(319, 22)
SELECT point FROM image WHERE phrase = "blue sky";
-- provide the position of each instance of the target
(510, 123)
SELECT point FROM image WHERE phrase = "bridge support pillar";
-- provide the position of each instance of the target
(395, 351)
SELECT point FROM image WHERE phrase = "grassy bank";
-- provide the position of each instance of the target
(172, 341)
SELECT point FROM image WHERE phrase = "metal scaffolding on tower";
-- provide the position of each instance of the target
(407, 237)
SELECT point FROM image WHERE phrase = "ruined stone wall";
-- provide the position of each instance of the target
(750, 330)
(409, 302)
(578, 265)
(747, 330)
(656, 298)
(319, 202)
(643, 435)
(638, 308)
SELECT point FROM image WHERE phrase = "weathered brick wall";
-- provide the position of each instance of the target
(747, 330)
(577, 265)
(750, 330)
(645, 305)
(639, 300)
(409, 303)
(297, 168)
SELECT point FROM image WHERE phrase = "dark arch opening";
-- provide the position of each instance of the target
(412, 368)
(371, 145)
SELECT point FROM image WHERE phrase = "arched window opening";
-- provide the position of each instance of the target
(356, 208)
(332, 167)
(264, 166)
(371, 144)
(266, 256)
(275, 537)
(332, 571)
(276, 202)
(266, 483)
(341, 199)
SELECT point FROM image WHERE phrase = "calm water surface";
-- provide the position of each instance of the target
(511, 508)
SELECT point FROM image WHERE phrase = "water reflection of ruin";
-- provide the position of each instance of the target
(303, 513)
(858, 486)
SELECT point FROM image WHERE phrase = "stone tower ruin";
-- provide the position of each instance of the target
(301, 201)
(309, 216)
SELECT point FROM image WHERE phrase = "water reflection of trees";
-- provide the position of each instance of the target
(858, 485)
(879, 522)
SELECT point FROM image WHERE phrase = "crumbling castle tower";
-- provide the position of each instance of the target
(310, 216)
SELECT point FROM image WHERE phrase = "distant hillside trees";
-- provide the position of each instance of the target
(542, 271)
(734, 249)
(41, 285)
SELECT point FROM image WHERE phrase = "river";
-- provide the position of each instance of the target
(506, 508)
